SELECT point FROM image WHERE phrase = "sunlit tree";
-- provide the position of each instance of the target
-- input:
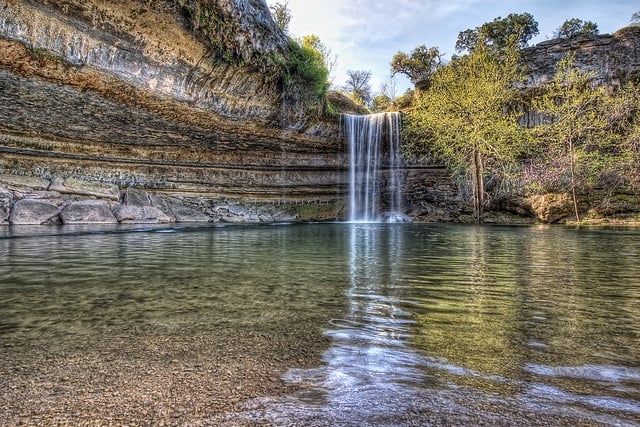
(418, 66)
(576, 27)
(499, 33)
(463, 119)
(330, 60)
(575, 120)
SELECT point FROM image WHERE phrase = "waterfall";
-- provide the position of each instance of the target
(375, 180)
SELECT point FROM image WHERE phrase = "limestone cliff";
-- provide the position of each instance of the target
(614, 58)
(179, 98)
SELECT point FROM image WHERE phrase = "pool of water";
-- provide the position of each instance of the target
(423, 324)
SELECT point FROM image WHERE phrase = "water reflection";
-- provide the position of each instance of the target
(416, 324)
(469, 325)
(370, 345)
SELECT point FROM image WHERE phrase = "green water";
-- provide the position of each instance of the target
(423, 324)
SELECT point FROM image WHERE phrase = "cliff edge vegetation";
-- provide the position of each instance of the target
(548, 132)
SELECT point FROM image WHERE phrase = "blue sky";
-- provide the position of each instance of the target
(365, 34)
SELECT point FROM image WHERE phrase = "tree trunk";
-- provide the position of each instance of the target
(478, 186)
(573, 180)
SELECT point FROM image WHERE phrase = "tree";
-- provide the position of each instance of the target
(389, 88)
(281, 15)
(497, 34)
(330, 60)
(575, 119)
(358, 87)
(635, 18)
(418, 66)
(381, 103)
(463, 119)
(575, 27)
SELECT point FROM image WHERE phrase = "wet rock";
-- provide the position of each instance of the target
(394, 217)
(137, 208)
(85, 188)
(6, 201)
(35, 211)
(140, 214)
(177, 210)
(88, 212)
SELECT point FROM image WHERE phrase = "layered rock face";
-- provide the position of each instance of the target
(614, 58)
(128, 94)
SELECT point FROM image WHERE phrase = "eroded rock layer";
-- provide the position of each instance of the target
(127, 93)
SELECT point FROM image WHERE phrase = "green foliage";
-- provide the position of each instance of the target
(304, 74)
(381, 103)
(635, 18)
(582, 130)
(575, 27)
(281, 15)
(498, 34)
(463, 119)
(418, 66)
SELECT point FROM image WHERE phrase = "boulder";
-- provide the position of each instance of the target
(136, 197)
(187, 214)
(22, 182)
(140, 214)
(35, 211)
(88, 212)
(6, 201)
(177, 210)
(551, 208)
(85, 188)
(137, 208)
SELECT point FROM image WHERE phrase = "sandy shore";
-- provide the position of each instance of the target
(154, 380)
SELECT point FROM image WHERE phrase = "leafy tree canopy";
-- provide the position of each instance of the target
(462, 116)
(576, 27)
(496, 34)
(418, 66)
(312, 41)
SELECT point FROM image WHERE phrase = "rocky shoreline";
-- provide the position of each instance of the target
(36, 201)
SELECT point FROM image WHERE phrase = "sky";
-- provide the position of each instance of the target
(365, 34)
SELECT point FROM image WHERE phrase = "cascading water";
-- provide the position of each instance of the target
(369, 138)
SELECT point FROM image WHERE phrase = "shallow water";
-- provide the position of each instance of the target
(427, 324)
